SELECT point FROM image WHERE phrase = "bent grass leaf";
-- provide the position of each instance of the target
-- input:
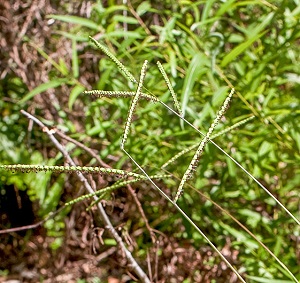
(61, 68)
(75, 92)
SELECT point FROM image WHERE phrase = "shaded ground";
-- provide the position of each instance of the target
(83, 254)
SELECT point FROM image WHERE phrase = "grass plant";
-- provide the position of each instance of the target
(203, 50)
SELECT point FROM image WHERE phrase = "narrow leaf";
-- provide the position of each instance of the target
(76, 20)
(195, 68)
(42, 88)
(75, 65)
(239, 49)
(75, 92)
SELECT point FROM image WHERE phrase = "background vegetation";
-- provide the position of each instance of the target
(205, 47)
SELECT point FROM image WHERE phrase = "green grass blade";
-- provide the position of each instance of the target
(194, 70)
(75, 64)
(207, 9)
(76, 20)
(239, 49)
(43, 87)
(75, 92)
(260, 27)
(61, 69)
(122, 34)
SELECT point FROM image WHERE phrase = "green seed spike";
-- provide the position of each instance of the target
(118, 94)
(176, 103)
(190, 148)
(195, 160)
(134, 104)
(115, 186)
(105, 50)
(67, 169)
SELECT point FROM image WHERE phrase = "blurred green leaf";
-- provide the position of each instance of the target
(239, 49)
(43, 87)
(268, 280)
(125, 19)
(143, 8)
(127, 34)
(75, 63)
(194, 71)
(75, 92)
(76, 20)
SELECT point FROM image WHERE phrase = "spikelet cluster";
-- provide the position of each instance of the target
(119, 94)
(169, 85)
(109, 189)
(192, 147)
(195, 160)
(134, 104)
(122, 68)
(24, 168)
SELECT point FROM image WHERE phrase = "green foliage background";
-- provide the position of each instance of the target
(205, 47)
